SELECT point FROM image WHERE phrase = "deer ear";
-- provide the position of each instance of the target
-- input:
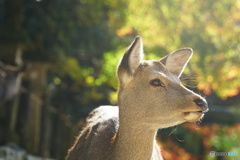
(130, 60)
(176, 61)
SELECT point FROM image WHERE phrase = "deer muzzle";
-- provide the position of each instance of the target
(202, 103)
(195, 115)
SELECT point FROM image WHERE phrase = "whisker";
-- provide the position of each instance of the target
(178, 139)
(175, 135)
(173, 130)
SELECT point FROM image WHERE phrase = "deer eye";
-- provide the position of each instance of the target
(157, 82)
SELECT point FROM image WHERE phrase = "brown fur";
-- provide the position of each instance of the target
(128, 132)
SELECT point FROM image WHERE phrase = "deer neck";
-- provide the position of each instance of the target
(134, 141)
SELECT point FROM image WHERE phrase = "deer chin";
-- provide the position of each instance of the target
(193, 116)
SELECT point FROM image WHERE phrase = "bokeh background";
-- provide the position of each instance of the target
(58, 61)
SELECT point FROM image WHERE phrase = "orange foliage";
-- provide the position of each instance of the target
(205, 87)
(171, 151)
(175, 152)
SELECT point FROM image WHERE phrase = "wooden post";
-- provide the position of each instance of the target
(37, 76)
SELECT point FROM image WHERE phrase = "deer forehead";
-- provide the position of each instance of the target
(151, 69)
(153, 64)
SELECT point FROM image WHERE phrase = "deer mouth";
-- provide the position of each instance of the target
(194, 112)
(193, 116)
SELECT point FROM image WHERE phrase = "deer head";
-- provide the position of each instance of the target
(151, 92)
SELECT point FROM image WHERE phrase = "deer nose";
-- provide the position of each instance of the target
(202, 103)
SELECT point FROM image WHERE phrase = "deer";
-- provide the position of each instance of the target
(150, 97)
(10, 80)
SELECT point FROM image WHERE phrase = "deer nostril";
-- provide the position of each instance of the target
(202, 103)
(199, 102)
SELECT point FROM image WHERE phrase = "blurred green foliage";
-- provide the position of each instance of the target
(84, 40)
(56, 29)
(87, 38)
(191, 142)
(211, 28)
(225, 140)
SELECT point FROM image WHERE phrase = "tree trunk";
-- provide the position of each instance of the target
(37, 77)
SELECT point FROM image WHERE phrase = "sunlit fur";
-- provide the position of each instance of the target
(128, 132)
